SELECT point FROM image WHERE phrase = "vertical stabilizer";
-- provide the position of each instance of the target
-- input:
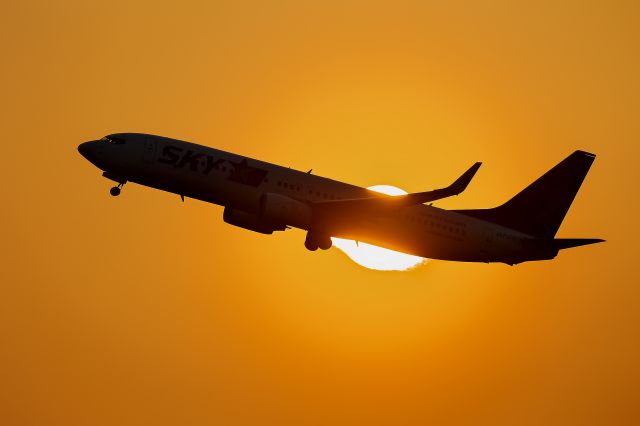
(539, 209)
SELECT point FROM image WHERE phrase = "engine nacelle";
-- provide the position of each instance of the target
(282, 209)
(251, 222)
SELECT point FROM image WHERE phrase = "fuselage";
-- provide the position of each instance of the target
(239, 183)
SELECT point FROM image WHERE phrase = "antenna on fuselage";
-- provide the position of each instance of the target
(309, 172)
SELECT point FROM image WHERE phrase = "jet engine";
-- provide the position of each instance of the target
(251, 222)
(282, 209)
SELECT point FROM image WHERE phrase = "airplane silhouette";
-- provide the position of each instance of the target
(265, 198)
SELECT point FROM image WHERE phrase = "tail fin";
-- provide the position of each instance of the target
(539, 209)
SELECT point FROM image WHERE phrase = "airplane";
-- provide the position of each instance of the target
(266, 198)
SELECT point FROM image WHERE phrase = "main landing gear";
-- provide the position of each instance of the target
(314, 242)
(115, 191)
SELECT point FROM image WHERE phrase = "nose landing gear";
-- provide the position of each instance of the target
(115, 191)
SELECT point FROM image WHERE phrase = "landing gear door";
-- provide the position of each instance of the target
(149, 153)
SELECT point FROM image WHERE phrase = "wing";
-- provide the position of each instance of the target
(386, 201)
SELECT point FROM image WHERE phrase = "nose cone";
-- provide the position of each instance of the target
(88, 150)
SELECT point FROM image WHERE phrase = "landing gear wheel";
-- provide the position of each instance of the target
(314, 241)
(311, 244)
(115, 191)
(325, 244)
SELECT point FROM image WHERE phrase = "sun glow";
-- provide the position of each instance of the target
(374, 257)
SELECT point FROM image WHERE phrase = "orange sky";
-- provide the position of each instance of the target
(144, 310)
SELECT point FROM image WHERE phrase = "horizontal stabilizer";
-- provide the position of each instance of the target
(564, 243)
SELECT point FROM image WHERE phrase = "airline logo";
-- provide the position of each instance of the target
(241, 172)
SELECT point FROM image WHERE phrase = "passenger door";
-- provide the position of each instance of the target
(149, 153)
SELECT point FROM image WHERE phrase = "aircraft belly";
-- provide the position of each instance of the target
(405, 239)
(428, 243)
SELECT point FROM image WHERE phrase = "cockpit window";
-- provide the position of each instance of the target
(113, 140)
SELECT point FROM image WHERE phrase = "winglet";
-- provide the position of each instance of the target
(461, 183)
(454, 189)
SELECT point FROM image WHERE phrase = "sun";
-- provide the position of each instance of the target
(374, 257)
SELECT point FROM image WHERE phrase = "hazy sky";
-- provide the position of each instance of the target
(144, 310)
